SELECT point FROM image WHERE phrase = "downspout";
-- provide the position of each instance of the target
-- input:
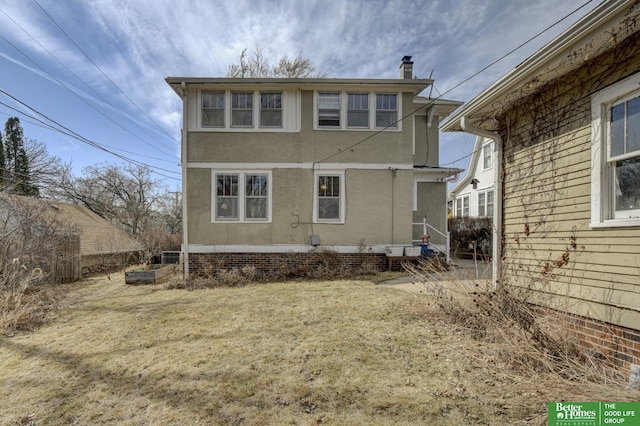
(183, 155)
(497, 201)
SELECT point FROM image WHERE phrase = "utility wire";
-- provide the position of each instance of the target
(89, 142)
(441, 95)
(102, 72)
(61, 83)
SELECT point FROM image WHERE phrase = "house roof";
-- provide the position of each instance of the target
(473, 164)
(97, 235)
(596, 32)
(415, 85)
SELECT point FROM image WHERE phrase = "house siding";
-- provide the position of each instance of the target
(549, 248)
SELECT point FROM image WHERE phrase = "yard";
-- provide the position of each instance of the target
(338, 352)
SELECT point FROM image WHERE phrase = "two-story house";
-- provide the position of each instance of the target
(272, 167)
(473, 195)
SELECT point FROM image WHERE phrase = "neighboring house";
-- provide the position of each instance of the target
(273, 167)
(62, 239)
(566, 123)
(473, 195)
(103, 246)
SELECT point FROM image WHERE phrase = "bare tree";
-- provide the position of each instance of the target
(125, 195)
(256, 65)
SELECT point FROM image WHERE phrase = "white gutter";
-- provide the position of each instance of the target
(497, 200)
(183, 155)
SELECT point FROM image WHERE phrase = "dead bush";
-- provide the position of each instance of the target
(528, 341)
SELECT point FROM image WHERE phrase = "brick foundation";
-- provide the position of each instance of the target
(285, 264)
(619, 344)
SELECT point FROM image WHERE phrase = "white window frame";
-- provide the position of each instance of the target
(224, 109)
(316, 196)
(602, 197)
(490, 205)
(367, 109)
(269, 108)
(395, 123)
(242, 198)
(482, 206)
(487, 148)
(344, 111)
(250, 96)
(462, 205)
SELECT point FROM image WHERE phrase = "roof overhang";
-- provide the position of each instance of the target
(595, 33)
(414, 86)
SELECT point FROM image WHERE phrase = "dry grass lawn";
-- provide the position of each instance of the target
(342, 353)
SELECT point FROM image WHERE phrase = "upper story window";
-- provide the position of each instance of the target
(270, 109)
(242, 109)
(386, 110)
(213, 109)
(358, 110)
(615, 155)
(328, 109)
(485, 204)
(487, 156)
(242, 196)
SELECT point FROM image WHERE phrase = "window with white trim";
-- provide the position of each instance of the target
(329, 201)
(329, 109)
(482, 204)
(241, 196)
(487, 156)
(615, 186)
(386, 110)
(212, 109)
(490, 203)
(242, 109)
(462, 206)
(270, 109)
(358, 110)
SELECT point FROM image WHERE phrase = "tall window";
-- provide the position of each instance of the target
(482, 204)
(270, 109)
(386, 110)
(256, 192)
(357, 110)
(241, 196)
(615, 153)
(462, 206)
(490, 203)
(226, 197)
(213, 109)
(328, 109)
(486, 156)
(242, 109)
(329, 201)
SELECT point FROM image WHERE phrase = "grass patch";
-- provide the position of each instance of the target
(340, 352)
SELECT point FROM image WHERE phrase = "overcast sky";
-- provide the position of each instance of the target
(97, 67)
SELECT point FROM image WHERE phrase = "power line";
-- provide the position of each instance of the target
(441, 95)
(87, 141)
(101, 71)
(61, 83)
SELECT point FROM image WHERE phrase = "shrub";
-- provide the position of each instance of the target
(471, 234)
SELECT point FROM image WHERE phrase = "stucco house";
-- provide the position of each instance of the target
(566, 128)
(273, 167)
(473, 195)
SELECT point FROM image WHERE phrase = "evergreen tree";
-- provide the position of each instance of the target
(16, 164)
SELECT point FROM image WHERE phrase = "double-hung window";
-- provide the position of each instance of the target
(386, 110)
(486, 156)
(462, 206)
(615, 187)
(270, 109)
(329, 198)
(242, 197)
(358, 110)
(212, 109)
(242, 109)
(482, 204)
(490, 203)
(329, 109)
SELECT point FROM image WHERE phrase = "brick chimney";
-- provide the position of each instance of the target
(406, 68)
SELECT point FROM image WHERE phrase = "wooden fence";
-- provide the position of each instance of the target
(66, 262)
